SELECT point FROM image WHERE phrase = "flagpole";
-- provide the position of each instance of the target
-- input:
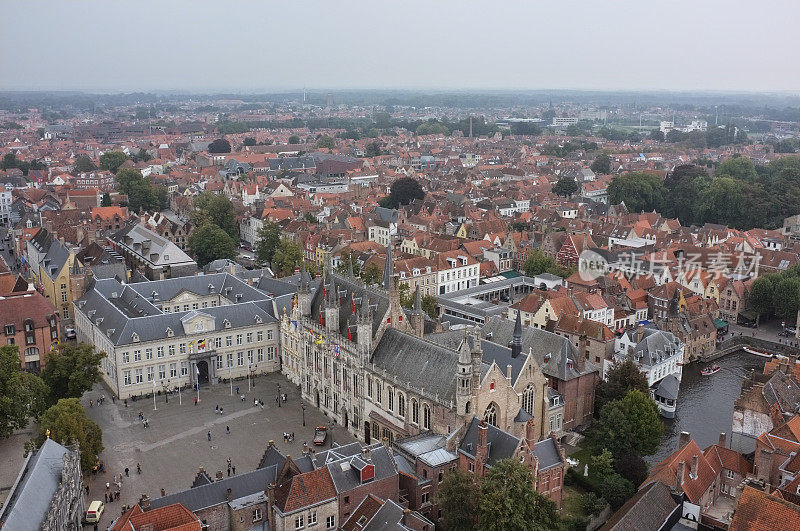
(155, 406)
(180, 402)
(230, 377)
(197, 380)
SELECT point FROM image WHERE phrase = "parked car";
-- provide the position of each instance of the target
(94, 512)
(320, 434)
(69, 333)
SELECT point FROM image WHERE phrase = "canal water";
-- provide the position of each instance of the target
(705, 403)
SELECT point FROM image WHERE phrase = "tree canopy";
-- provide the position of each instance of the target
(457, 496)
(112, 160)
(71, 369)
(641, 192)
(83, 164)
(508, 501)
(269, 237)
(212, 208)
(326, 142)
(141, 194)
(22, 395)
(621, 378)
(538, 263)
(286, 257)
(294, 139)
(402, 192)
(602, 164)
(219, 145)
(209, 242)
(565, 187)
(68, 423)
(630, 425)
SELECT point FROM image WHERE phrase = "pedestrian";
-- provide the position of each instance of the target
(292, 436)
(113, 400)
(87, 489)
(255, 401)
(108, 485)
(228, 430)
(209, 436)
(234, 470)
(117, 496)
(138, 468)
(216, 408)
(102, 399)
(195, 401)
(237, 389)
(242, 398)
(229, 470)
(220, 411)
(91, 404)
(277, 399)
(126, 473)
(126, 402)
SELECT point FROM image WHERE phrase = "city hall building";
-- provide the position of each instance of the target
(181, 331)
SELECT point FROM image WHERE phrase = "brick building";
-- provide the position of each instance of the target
(30, 323)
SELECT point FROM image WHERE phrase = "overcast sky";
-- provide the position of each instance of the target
(261, 45)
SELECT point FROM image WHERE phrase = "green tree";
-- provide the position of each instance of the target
(10, 160)
(219, 145)
(249, 141)
(787, 298)
(601, 465)
(457, 496)
(403, 191)
(294, 139)
(68, 423)
(286, 257)
(371, 274)
(140, 192)
(159, 197)
(592, 504)
(682, 189)
(641, 192)
(430, 306)
(209, 242)
(22, 395)
(630, 425)
(565, 187)
(762, 295)
(83, 164)
(106, 201)
(373, 149)
(112, 160)
(741, 168)
(621, 378)
(212, 208)
(269, 237)
(632, 467)
(538, 263)
(602, 164)
(71, 369)
(508, 501)
(617, 490)
(326, 142)
(722, 201)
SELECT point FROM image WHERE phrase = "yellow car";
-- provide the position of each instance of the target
(94, 512)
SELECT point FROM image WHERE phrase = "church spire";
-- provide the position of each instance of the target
(516, 340)
(388, 269)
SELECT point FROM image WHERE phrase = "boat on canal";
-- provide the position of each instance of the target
(757, 352)
(713, 369)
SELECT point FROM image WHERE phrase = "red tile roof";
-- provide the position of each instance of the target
(758, 511)
(309, 489)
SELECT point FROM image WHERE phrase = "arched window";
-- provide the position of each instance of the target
(490, 415)
(390, 395)
(401, 405)
(426, 417)
(414, 411)
(467, 407)
(528, 396)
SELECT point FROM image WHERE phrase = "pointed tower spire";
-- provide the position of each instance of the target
(417, 300)
(388, 269)
(516, 340)
(350, 272)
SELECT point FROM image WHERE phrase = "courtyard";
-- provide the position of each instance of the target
(175, 444)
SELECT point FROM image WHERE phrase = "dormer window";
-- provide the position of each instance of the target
(258, 319)
(226, 323)
(135, 337)
(170, 333)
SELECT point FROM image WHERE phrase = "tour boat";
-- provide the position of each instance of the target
(757, 352)
(713, 369)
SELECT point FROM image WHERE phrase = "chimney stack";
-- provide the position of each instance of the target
(640, 333)
(723, 439)
(679, 476)
(230, 495)
(365, 453)
(683, 439)
(530, 433)
(508, 372)
(144, 502)
(693, 471)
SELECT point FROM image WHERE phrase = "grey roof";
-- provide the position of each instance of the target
(553, 353)
(351, 292)
(29, 499)
(291, 163)
(388, 518)
(122, 310)
(150, 246)
(216, 493)
(655, 346)
(418, 363)
(345, 473)
(55, 259)
(547, 453)
(650, 508)
(502, 444)
(668, 387)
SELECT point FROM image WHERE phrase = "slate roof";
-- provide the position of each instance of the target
(150, 246)
(547, 453)
(121, 310)
(668, 387)
(556, 356)
(418, 363)
(29, 499)
(346, 477)
(350, 292)
(502, 445)
(216, 493)
(491, 352)
(648, 509)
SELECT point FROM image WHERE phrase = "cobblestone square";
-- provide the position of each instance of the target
(175, 443)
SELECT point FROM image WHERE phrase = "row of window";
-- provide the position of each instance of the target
(400, 411)
(186, 307)
(240, 339)
(138, 376)
(240, 357)
(311, 520)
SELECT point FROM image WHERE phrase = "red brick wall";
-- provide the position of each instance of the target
(386, 489)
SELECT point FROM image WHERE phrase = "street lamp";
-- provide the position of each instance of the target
(165, 385)
(279, 395)
(304, 414)
(252, 372)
